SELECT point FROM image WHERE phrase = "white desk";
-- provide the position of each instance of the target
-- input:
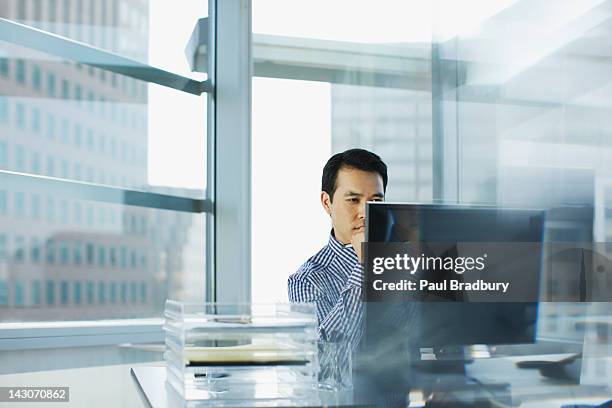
(115, 386)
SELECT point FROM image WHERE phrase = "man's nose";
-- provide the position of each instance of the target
(362, 210)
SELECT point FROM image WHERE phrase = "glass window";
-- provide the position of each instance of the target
(101, 256)
(50, 292)
(89, 253)
(101, 292)
(3, 248)
(20, 116)
(90, 292)
(64, 292)
(20, 205)
(64, 253)
(36, 77)
(19, 254)
(51, 84)
(4, 67)
(50, 167)
(3, 293)
(4, 109)
(35, 251)
(143, 292)
(36, 120)
(36, 294)
(119, 139)
(3, 203)
(19, 295)
(65, 89)
(20, 71)
(3, 155)
(35, 206)
(77, 293)
(113, 292)
(50, 126)
(77, 253)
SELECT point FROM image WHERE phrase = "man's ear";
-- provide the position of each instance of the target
(326, 202)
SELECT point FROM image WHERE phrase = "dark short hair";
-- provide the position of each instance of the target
(359, 159)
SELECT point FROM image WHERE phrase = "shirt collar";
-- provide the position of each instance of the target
(345, 252)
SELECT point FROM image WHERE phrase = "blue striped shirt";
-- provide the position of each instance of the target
(332, 279)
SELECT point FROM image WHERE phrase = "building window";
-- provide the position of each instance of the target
(143, 292)
(19, 294)
(77, 293)
(78, 94)
(3, 248)
(50, 251)
(64, 292)
(77, 253)
(64, 169)
(89, 253)
(64, 253)
(113, 257)
(65, 131)
(4, 110)
(123, 257)
(4, 67)
(19, 249)
(3, 293)
(101, 292)
(90, 292)
(51, 85)
(3, 203)
(36, 120)
(101, 256)
(133, 292)
(20, 71)
(50, 205)
(64, 212)
(35, 251)
(20, 116)
(36, 77)
(65, 89)
(19, 205)
(35, 206)
(3, 155)
(19, 158)
(50, 170)
(36, 292)
(77, 206)
(50, 292)
(124, 292)
(52, 11)
(50, 126)
(113, 292)
(77, 135)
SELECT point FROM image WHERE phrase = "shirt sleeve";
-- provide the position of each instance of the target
(345, 320)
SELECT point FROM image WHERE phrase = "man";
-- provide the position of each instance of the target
(332, 278)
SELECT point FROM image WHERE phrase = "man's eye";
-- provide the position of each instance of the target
(353, 200)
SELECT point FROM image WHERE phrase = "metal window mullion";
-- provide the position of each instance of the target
(75, 51)
(232, 150)
(101, 193)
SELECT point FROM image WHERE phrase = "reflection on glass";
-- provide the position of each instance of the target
(62, 258)
(124, 265)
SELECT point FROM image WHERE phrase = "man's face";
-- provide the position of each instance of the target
(347, 209)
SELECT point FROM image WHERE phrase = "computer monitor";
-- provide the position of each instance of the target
(388, 361)
(455, 319)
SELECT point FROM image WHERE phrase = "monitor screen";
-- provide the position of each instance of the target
(455, 318)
